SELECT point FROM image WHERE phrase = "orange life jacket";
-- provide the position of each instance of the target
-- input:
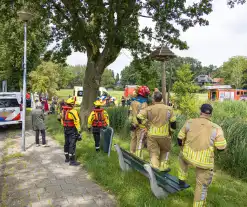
(99, 120)
(66, 121)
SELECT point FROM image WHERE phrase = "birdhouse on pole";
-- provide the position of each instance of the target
(163, 54)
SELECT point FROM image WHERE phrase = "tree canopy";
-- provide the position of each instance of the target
(45, 78)
(11, 44)
(234, 71)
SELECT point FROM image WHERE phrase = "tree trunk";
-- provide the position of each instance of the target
(90, 90)
(164, 83)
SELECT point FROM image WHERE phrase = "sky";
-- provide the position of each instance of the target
(226, 36)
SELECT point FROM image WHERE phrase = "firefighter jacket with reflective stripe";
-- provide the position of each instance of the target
(199, 137)
(98, 118)
(135, 108)
(159, 117)
(71, 119)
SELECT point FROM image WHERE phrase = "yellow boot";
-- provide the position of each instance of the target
(199, 203)
(164, 166)
(139, 154)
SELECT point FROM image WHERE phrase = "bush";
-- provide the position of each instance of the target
(119, 121)
(184, 90)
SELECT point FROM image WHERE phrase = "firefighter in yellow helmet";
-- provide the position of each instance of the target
(138, 130)
(98, 119)
(161, 121)
(197, 139)
(72, 131)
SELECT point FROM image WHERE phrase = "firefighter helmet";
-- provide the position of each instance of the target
(71, 101)
(143, 91)
(98, 103)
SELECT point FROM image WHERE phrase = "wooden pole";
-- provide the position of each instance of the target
(169, 87)
(164, 83)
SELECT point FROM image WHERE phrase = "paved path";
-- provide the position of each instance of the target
(41, 178)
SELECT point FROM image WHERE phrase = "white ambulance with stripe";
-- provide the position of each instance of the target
(10, 108)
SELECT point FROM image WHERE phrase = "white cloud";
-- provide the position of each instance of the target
(226, 36)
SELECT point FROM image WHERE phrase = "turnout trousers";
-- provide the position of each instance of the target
(137, 142)
(159, 149)
(96, 136)
(203, 180)
(70, 135)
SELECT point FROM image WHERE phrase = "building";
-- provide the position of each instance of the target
(202, 79)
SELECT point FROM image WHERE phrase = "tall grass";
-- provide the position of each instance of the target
(232, 116)
(118, 117)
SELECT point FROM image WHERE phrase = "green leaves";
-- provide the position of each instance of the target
(185, 90)
(45, 78)
(233, 71)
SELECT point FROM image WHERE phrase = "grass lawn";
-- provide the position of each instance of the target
(132, 189)
(64, 93)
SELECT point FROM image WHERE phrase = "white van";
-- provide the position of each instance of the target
(10, 108)
(78, 93)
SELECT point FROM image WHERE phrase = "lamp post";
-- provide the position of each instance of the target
(25, 17)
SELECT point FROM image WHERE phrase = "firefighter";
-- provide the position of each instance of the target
(72, 131)
(197, 140)
(98, 119)
(161, 122)
(138, 130)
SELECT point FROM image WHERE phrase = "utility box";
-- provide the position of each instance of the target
(106, 135)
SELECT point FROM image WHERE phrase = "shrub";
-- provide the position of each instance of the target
(184, 90)
(119, 121)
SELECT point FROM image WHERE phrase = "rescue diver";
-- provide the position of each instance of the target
(197, 140)
(138, 131)
(72, 131)
(161, 122)
(98, 119)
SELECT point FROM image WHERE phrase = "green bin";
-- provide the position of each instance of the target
(106, 135)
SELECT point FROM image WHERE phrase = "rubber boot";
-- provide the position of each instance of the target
(164, 166)
(66, 157)
(73, 161)
(182, 183)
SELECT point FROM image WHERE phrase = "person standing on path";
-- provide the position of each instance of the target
(161, 122)
(98, 119)
(72, 132)
(197, 140)
(38, 124)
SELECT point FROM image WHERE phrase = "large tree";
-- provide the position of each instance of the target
(101, 28)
